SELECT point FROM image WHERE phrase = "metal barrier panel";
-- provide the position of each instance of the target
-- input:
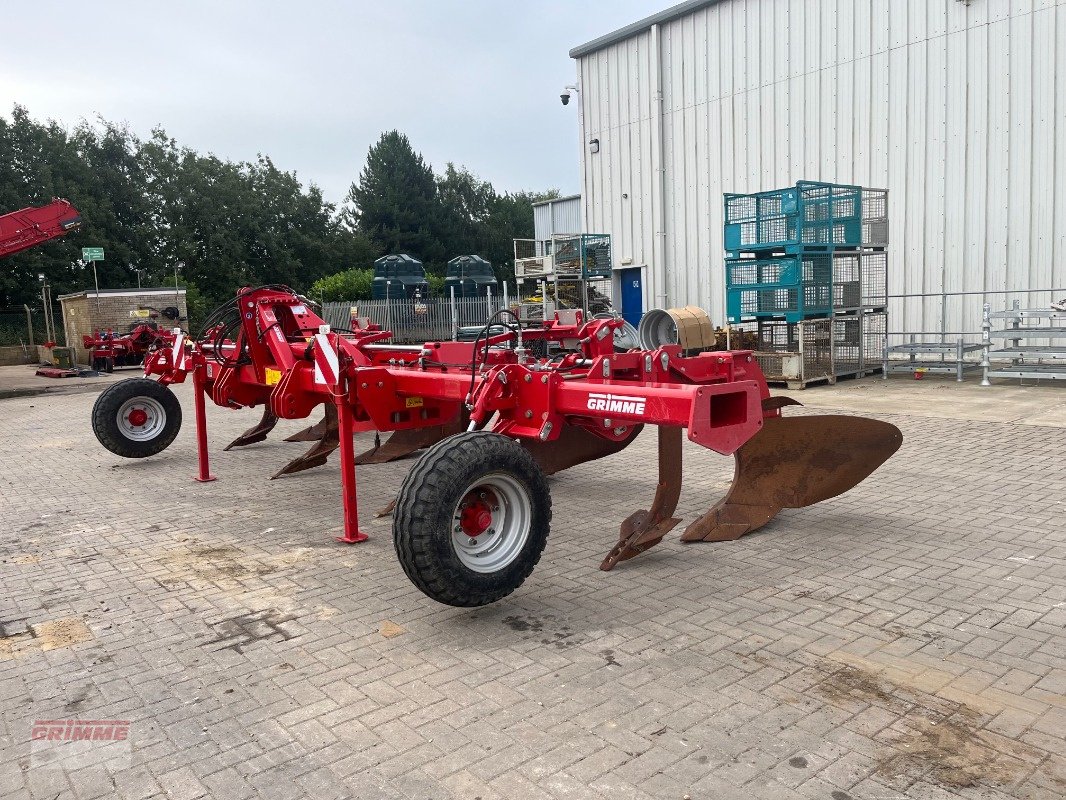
(414, 322)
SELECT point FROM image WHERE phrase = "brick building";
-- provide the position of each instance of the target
(87, 311)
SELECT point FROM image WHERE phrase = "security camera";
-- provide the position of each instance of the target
(564, 98)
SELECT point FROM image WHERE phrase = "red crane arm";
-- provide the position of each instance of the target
(29, 227)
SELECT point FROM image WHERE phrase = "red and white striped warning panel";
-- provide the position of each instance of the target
(179, 351)
(327, 364)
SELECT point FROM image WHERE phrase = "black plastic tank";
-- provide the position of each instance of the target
(470, 275)
(399, 277)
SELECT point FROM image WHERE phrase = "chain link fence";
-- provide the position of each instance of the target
(20, 326)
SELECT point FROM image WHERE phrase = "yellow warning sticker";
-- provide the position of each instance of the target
(414, 402)
(272, 376)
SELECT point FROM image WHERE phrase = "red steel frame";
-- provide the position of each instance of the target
(291, 360)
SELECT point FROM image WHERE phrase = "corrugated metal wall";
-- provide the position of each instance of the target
(557, 216)
(954, 107)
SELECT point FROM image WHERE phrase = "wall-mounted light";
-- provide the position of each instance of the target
(594, 145)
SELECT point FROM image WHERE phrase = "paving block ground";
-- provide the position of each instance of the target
(905, 640)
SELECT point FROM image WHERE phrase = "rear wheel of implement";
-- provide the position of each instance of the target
(98, 364)
(472, 519)
(136, 418)
(109, 365)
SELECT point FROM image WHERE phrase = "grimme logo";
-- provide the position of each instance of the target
(76, 744)
(619, 404)
(76, 730)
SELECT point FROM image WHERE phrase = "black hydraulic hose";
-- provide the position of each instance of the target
(485, 332)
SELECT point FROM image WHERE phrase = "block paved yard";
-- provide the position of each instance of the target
(904, 640)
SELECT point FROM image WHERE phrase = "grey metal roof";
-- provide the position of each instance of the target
(557, 200)
(680, 10)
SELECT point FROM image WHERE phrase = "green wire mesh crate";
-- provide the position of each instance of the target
(809, 216)
(789, 287)
(586, 255)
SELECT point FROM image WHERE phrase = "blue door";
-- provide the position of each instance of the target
(632, 300)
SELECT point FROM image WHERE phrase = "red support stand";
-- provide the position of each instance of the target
(352, 534)
(204, 475)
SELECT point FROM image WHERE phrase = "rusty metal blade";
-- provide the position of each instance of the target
(329, 422)
(256, 433)
(403, 443)
(643, 530)
(574, 446)
(315, 457)
(775, 403)
(795, 462)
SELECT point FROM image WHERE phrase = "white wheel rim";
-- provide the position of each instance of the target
(141, 419)
(507, 502)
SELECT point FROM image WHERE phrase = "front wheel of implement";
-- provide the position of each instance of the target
(472, 519)
(136, 418)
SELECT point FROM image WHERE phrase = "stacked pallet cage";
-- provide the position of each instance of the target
(564, 272)
(806, 274)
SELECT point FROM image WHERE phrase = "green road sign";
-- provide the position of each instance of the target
(92, 254)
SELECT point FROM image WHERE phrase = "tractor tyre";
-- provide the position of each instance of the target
(472, 519)
(136, 418)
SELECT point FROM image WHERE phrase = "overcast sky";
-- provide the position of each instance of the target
(313, 84)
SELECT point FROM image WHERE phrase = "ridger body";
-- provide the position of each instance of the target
(472, 515)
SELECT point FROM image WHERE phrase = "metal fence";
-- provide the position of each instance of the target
(26, 326)
(414, 322)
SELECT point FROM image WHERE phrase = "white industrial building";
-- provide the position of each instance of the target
(957, 107)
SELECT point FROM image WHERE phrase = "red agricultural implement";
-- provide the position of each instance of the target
(29, 227)
(472, 515)
(108, 349)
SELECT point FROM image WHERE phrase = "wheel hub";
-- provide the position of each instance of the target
(141, 419)
(476, 516)
(490, 524)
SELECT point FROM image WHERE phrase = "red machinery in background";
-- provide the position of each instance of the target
(472, 515)
(29, 227)
(108, 349)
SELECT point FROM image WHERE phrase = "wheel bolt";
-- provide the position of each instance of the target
(472, 542)
(490, 531)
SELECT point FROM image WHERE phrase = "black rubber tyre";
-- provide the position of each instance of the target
(98, 365)
(109, 365)
(159, 406)
(428, 506)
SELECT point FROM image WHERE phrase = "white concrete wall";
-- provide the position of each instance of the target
(953, 107)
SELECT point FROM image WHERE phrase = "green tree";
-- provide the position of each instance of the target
(395, 202)
(352, 284)
(153, 203)
(510, 217)
(436, 285)
(93, 167)
(465, 202)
